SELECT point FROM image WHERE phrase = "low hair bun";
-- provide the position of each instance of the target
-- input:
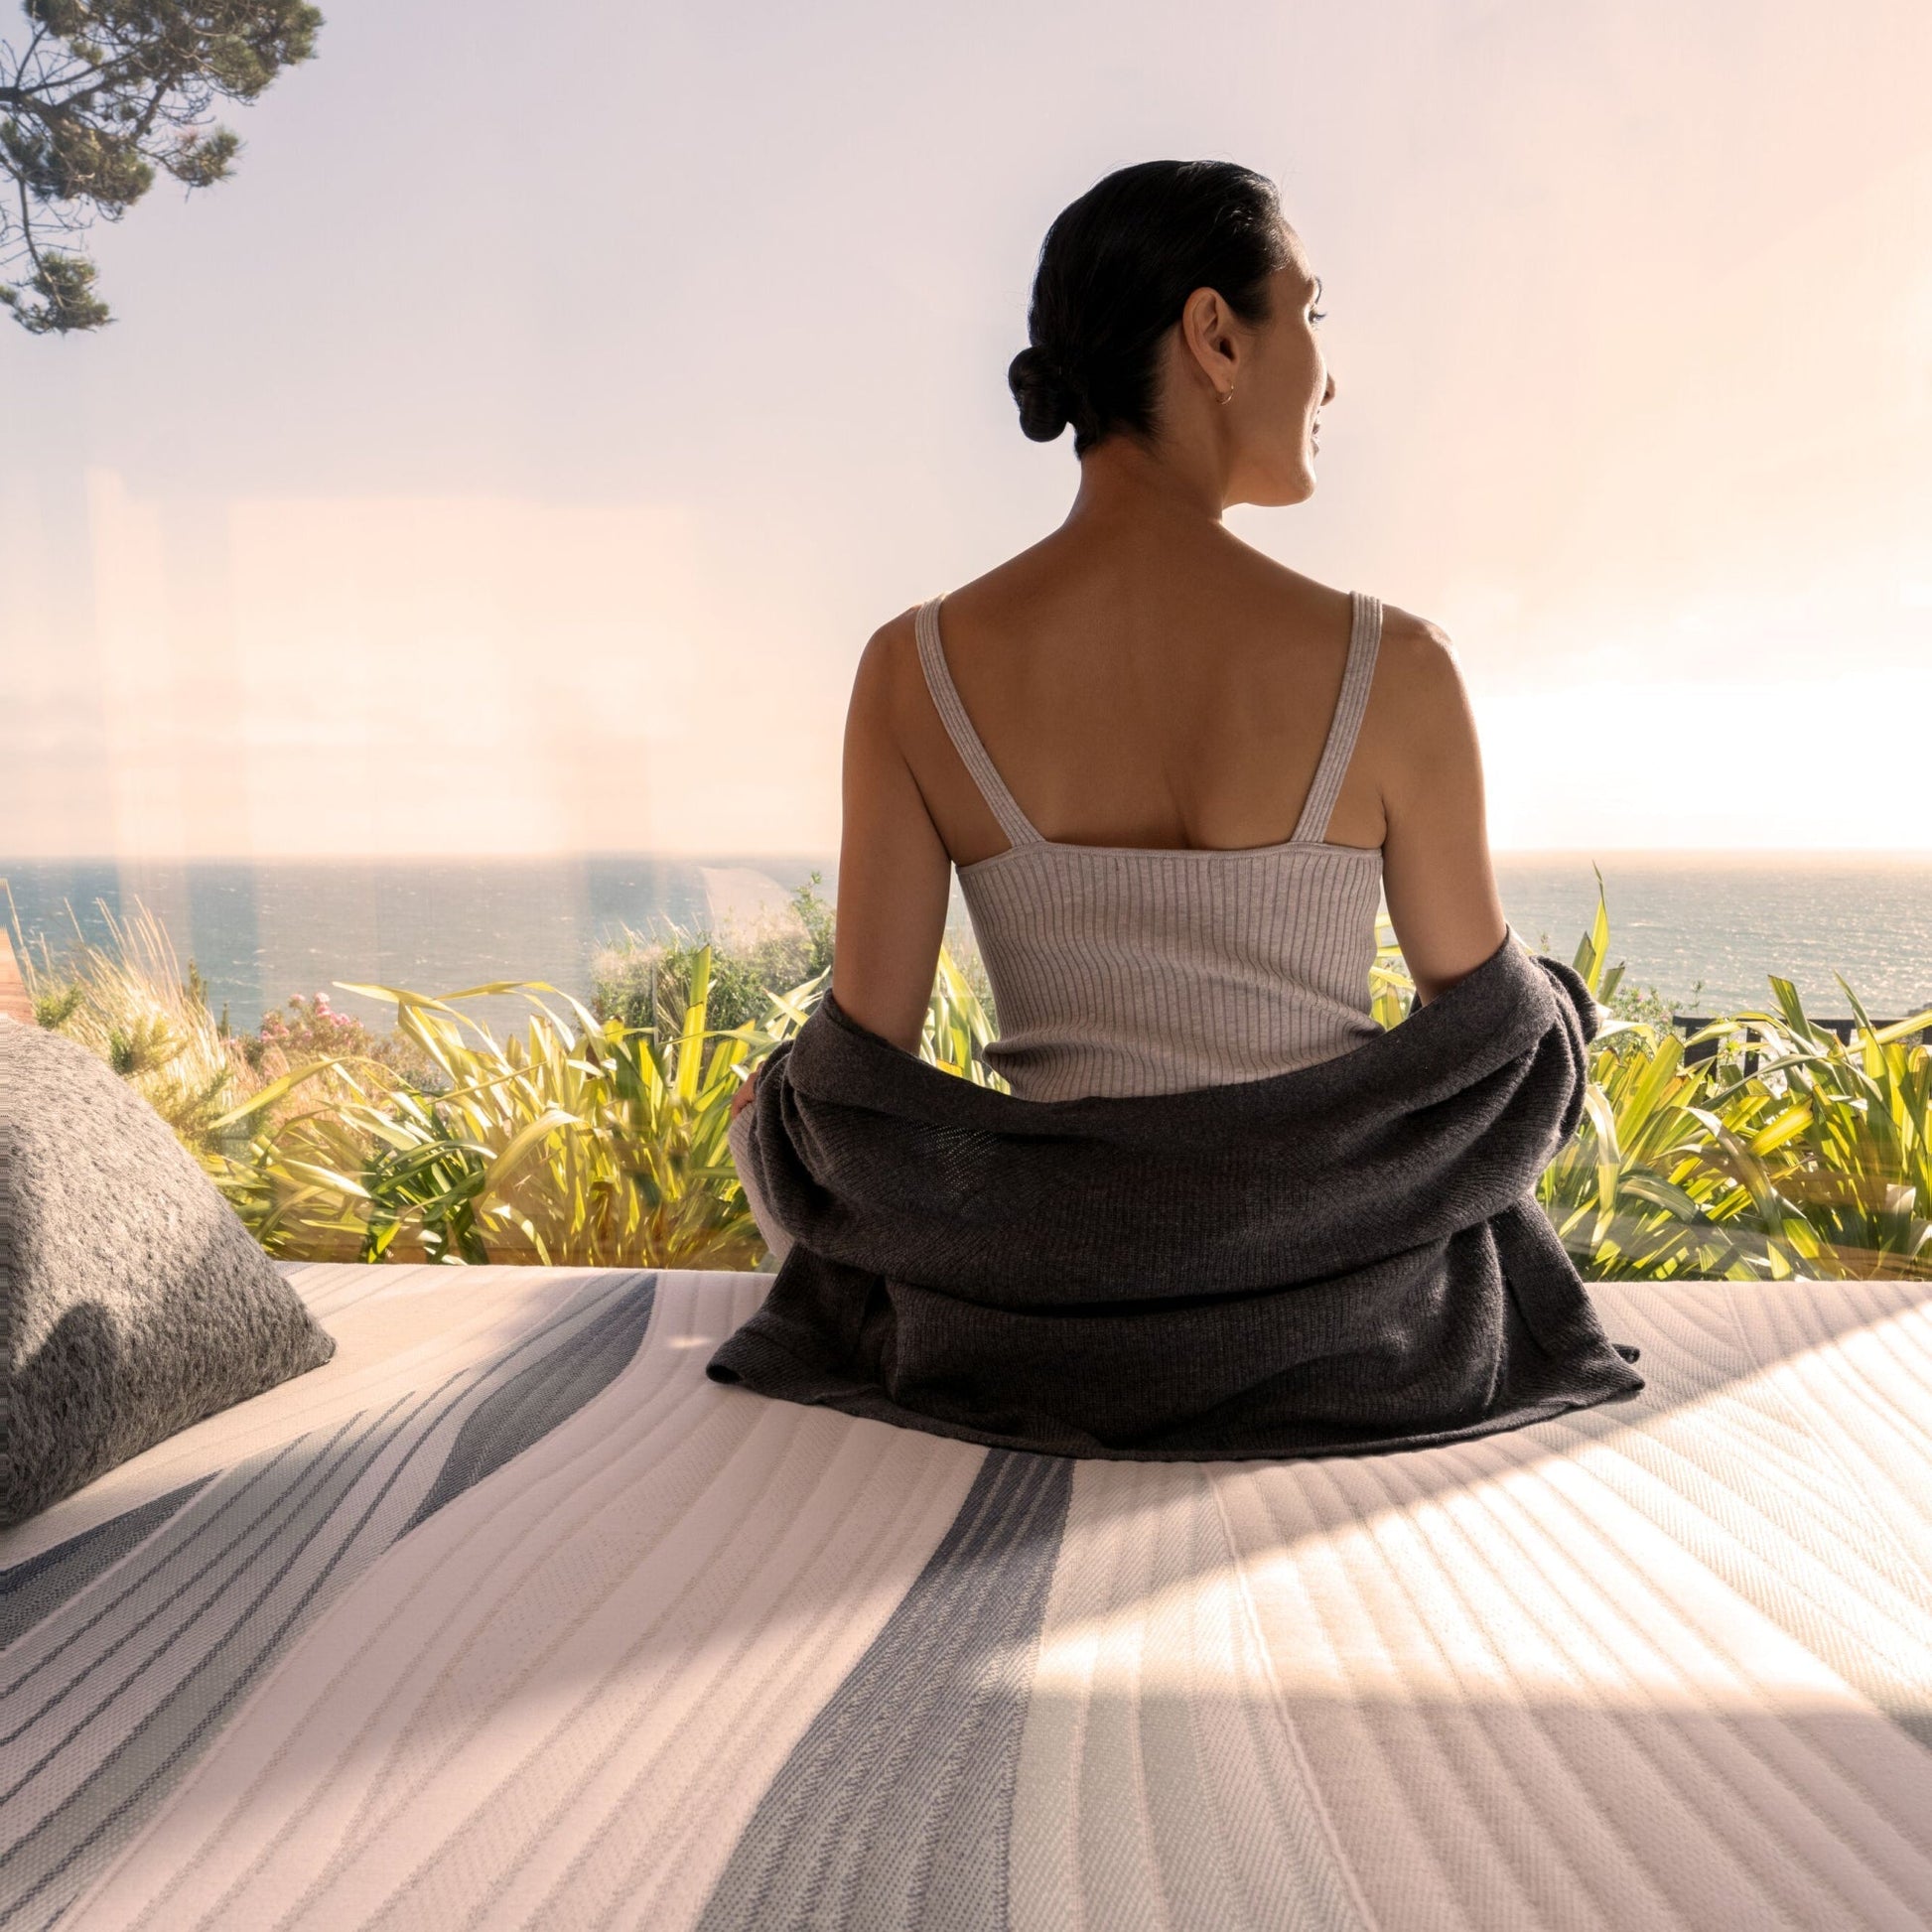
(1113, 277)
(1041, 391)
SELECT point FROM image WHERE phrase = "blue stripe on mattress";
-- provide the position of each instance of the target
(33, 1590)
(895, 1808)
(526, 1408)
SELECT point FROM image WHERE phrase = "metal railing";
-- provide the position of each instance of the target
(1844, 1030)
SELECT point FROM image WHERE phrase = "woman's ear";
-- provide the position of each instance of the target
(1208, 328)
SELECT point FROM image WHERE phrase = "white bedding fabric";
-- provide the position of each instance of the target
(507, 1616)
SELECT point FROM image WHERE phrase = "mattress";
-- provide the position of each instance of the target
(508, 1616)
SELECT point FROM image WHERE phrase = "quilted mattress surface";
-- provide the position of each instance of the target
(508, 1616)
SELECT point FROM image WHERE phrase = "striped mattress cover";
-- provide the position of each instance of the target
(509, 1617)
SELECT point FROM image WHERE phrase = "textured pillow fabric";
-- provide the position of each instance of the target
(132, 1299)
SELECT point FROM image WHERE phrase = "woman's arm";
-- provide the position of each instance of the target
(895, 874)
(1435, 870)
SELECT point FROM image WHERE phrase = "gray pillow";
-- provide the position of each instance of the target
(132, 1299)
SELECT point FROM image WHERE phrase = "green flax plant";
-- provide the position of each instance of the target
(600, 1137)
(958, 1025)
(1832, 1140)
(1392, 992)
(588, 1141)
(580, 1142)
(1782, 1152)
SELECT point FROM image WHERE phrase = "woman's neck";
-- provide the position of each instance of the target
(1124, 483)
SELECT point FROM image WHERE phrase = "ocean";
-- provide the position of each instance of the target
(1703, 929)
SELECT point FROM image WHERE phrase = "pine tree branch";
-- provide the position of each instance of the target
(88, 132)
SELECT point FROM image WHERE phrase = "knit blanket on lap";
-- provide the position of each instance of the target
(1343, 1258)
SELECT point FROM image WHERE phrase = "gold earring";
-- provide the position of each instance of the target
(1227, 395)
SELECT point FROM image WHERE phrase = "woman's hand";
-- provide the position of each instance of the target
(743, 1097)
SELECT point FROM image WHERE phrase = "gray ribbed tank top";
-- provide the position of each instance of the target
(1129, 970)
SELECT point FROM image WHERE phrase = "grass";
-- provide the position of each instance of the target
(128, 1002)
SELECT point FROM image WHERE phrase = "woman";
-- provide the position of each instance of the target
(1175, 776)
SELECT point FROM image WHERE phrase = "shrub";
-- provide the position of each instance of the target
(305, 1031)
(645, 982)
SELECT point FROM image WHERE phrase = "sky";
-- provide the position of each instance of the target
(515, 455)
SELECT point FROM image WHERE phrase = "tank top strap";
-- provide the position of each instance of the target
(959, 728)
(1365, 641)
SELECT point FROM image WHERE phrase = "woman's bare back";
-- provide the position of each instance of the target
(1149, 706)
(1177, 695)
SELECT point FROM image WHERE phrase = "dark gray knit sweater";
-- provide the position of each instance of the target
(1344, 1258)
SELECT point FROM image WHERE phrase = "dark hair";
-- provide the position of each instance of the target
(1114, 270)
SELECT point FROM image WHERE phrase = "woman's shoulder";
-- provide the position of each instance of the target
(1414, 653)
(888, 671)
(1419, 724)
(890, 666)
(1415, 659)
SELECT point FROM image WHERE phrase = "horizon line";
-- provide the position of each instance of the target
(817, 855)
